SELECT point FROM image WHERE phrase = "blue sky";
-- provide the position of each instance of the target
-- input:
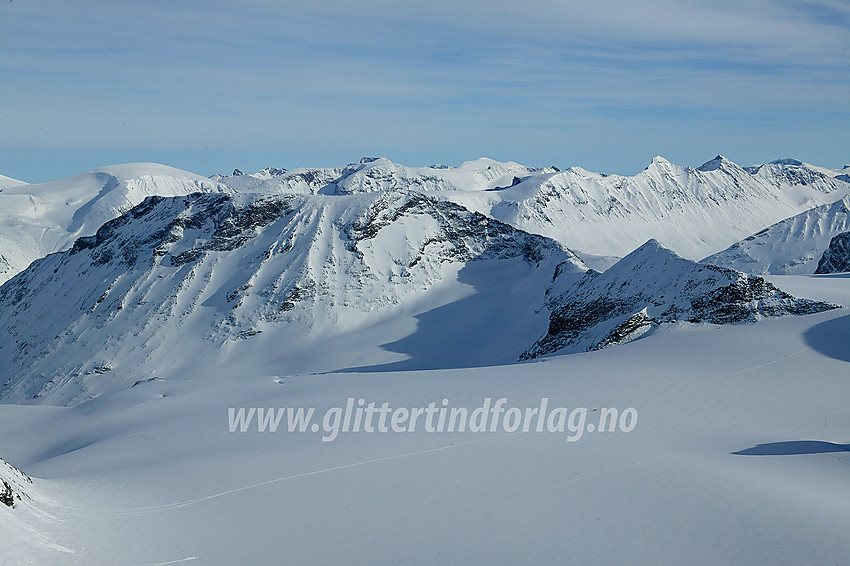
(209, 85)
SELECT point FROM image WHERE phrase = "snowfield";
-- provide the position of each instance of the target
(740, 455)
(169, 303)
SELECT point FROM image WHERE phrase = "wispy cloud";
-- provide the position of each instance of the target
(545, 82)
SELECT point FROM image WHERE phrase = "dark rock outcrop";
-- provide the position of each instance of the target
(836, 258)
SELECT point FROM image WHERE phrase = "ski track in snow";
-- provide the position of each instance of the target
(134, 511)
(189, 559)
(100, 512)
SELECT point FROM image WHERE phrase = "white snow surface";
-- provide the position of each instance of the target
(792, 246)
(9, 182)
(121, 355)
(39, 219)
(696, 212)
(740, 455)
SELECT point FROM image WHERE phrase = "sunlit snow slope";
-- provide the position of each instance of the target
(36, 220)
(792, 246)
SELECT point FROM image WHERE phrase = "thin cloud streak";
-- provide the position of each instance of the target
(257, 74)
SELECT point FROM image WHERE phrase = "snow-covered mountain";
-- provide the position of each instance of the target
(36, 220)
(694, 211)
(250, 292)
(372, 264)
(836, 258)
(373, 174)
(9, 182)
(652, 286)
(274, 278)
(795, 172)
(275, 180)
(792, 246)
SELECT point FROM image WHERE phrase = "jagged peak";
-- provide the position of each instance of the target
(647, 256)
(364, 160)
(713, 164)
(271, 172)
(661, 165)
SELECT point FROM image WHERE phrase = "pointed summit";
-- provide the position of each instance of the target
(713, 164)
(652, 286)
(659, 162)
(652, 245)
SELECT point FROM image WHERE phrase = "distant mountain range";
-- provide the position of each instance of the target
(380, 266)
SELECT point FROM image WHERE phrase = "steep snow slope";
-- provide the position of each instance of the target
(36, 220)
(652, 286)
(302, 282)
(836, 258)
(792, 246)
(23, 521)
(13, 485)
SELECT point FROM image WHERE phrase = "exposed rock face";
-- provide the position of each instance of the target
(836, 258)
(209, 271)
(12, 484)
(651, 286)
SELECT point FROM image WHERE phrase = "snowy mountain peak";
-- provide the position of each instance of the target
(652, 246)
(239, 276)
(659, 162)
(652, 286)
(787, 161)
(714, 164)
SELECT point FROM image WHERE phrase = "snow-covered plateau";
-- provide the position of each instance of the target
(143, 307)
